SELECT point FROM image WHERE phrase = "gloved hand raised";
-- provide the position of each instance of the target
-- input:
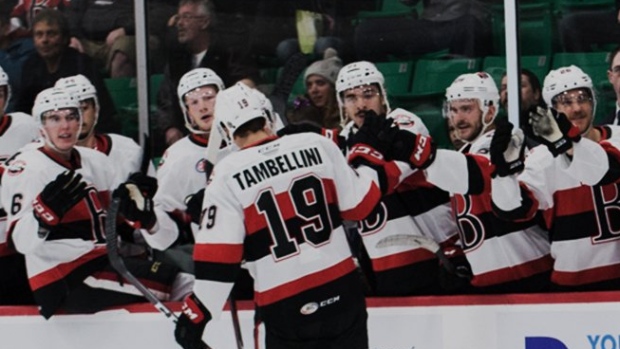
(136, 207)
(191, 323)
(57, 198)
(507, 150)
(553, 129)
(193, 202)
(370, 133)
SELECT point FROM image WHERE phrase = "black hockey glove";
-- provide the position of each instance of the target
(507, 150)
(553, 129)
(372, 132)
(194, 205)
(456, 278)
(416, 149)
(135, 206)
(191, 324)
(58, 197)
(147, 184)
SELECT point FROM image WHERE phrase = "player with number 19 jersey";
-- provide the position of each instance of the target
(279, 206)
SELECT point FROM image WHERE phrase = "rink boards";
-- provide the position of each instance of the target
(543, 321)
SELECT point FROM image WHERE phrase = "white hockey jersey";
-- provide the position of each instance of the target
(498, 251)
(125, 153)
(16, 130)
(75, 247)
(181, 173)
(279, 206)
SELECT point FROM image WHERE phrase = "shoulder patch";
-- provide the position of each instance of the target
(16, 167)
(200, 166)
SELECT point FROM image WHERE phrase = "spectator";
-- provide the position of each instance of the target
(570, 177)
(64, 192)
(319, 104)
(15, 46)
(463, 27)
(580, 30)
(613, 74)
(53, 60)
(198, 48)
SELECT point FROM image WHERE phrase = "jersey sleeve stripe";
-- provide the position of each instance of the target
(218, 253)
(62, 270)
(366, 205)
(401, 259)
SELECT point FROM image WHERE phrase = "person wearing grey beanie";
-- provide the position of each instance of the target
(319, 104)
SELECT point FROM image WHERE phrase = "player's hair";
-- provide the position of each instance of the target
(54, 17)
(250, 127)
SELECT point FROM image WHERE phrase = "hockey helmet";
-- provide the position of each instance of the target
(4, 81)
(236, 106)
(192, 80)
(564, 79)
(359, 74)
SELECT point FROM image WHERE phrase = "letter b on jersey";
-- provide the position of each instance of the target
(543, 343)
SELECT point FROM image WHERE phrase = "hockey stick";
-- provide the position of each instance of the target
(420, 242)
(117, 263)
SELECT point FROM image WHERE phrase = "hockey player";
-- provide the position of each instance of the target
(182, 170)
(58, 194)
(573, 177)
(16, 130)
(504, 257)
(279, 204)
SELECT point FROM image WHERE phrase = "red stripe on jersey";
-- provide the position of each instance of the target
(414, 181)
(6, 250)
(60, 271)
(255, 221)
(568, 205)
(218, 253)
(401, 259)
(589, 276)
(611, 150)
(517, 272)
(307, 282)
(5, 123)
(363, 209)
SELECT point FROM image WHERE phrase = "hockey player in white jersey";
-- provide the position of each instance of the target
(58, 195)
(573, 178)
(504, 257)
(278, 203)
(16, 130)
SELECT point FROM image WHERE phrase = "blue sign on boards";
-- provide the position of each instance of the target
(543, 343)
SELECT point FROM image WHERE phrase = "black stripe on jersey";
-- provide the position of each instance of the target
(414, 279)
(495, 226)
(73, 230)
(518, 213)
(423, 199)
(258, 244)
(51, 296)
(5, 124)
(327, 301)
(476, 178)
(198, 140)
(576, 226)
(216, 271)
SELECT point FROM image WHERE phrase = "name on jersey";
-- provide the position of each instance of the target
(280, 164)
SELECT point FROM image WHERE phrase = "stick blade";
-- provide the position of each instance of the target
(408, 240)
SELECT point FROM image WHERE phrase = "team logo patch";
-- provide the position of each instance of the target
(16, 167)
(309, 308)
(200, 166)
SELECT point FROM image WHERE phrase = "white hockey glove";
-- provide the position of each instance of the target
(554, 130)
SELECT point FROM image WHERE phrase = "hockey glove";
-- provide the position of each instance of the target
(58, 197)
(553, 129)
(147, 184)
(416, 149)
(193, 203)
(301, 127)
(456, 278)
(372, 131)
(135, 206)
(507, 150)
(191, 323)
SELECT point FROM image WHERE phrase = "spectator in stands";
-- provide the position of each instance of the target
(463, 27)
(53, 60)
(319, 104)
(15, 46)
(613, 74)
(199, 48)
(580, 30)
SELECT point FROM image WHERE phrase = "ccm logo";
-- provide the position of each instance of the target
(420, 149)
(312, 307)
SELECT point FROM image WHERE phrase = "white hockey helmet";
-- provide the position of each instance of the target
(359, 74)
(54, 98)
(564, 79)
(4, 81)
(80, 87)
(274, 118)
(236, 106)
(192, 80)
